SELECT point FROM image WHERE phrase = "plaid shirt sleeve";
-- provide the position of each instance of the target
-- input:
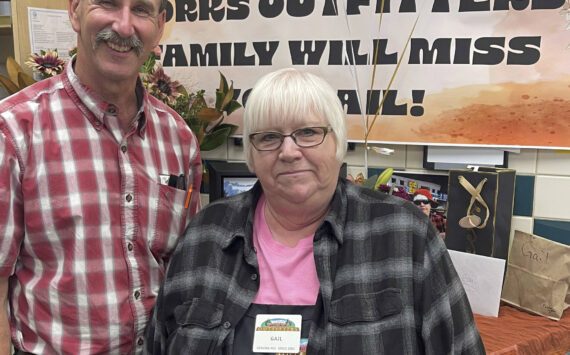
(11, 231)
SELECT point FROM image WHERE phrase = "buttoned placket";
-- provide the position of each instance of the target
(129, 196)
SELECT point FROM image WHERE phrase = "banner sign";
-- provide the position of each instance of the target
(474, 72)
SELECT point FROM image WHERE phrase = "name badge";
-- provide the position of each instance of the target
(278, 333)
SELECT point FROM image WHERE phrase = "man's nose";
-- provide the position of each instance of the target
(123, 23)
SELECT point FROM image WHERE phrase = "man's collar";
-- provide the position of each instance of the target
(99, 107)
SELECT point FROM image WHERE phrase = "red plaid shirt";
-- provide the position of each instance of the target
(439, 222)
(86, 227)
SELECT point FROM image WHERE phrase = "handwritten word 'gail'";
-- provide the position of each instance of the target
(219, 10)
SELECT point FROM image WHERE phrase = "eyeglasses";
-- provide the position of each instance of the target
(419, 202)
(304, 137)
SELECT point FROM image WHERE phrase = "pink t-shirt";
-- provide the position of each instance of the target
(288, 276)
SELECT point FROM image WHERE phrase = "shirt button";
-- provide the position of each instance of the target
(129, 198)
(227, 324)
(253, 277)
(130, 246)
(111, 109)
(140, 341)
(255, 250)
(124, 148)
(97, 123)
(137, 294)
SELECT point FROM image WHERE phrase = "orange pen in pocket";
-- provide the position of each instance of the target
(188, 195)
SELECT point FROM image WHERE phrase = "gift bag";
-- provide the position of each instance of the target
(538, 275)
(479, 210)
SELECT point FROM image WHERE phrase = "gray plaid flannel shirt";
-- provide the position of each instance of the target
(387, 284)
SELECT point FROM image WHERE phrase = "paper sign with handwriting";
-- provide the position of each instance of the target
(482, 278)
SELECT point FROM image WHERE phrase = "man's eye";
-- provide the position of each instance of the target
(141, 10)
(105, 3)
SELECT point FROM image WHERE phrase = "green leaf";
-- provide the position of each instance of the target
(208, 114)
(232, 106)
(369, 183)
(223, 84)
(215, 139)
(232, 127)
(219, 100)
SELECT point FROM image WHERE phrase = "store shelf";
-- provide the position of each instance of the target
(5, 25)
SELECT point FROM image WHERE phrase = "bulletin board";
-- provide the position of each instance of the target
(20, 25)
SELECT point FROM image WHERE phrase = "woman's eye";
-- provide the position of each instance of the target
(306, 132)
(268, 137)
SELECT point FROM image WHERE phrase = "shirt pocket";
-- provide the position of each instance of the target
(197, 328)
(361, 323)
(170, 220)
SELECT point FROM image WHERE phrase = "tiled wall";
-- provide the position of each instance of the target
(542, 194)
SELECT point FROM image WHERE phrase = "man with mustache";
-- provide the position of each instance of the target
(96, 179)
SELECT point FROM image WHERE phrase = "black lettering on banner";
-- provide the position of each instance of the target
(238, 9)
(383, 57)
(389, 107)
(524, 51)
(484, 51)
(207, 57)
(504, 5)
(489, 51)
(440, 6)
(300, 8)
(312, 50)
(547, 4)
(349, 101)
(294, 8)
(354, 56)
(442, 46)
(174, 56)
(186, 10)
(271, 8)
(229, 54)
(340, 53)
(462, 51)
(211, 9)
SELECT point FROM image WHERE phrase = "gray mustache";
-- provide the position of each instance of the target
(109, 35)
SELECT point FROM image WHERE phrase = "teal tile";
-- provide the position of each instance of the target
(559, 231)
(524, 196)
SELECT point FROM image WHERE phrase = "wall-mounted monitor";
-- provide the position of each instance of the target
(230, 178)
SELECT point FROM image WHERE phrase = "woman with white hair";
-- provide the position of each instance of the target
(307, 261)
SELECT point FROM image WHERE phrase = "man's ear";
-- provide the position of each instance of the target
(73, 10)
(161, 23)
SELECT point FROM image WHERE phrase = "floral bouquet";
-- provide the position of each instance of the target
(207, 123)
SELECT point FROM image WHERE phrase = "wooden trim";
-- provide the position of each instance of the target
(5, 25)
(21, 31)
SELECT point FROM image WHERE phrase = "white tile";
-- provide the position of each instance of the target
(220, 153)
(376, 160)
(356, 156)
(553, 163)
(551, 196)
(524, 224)
(523, 162)
(414, 157)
